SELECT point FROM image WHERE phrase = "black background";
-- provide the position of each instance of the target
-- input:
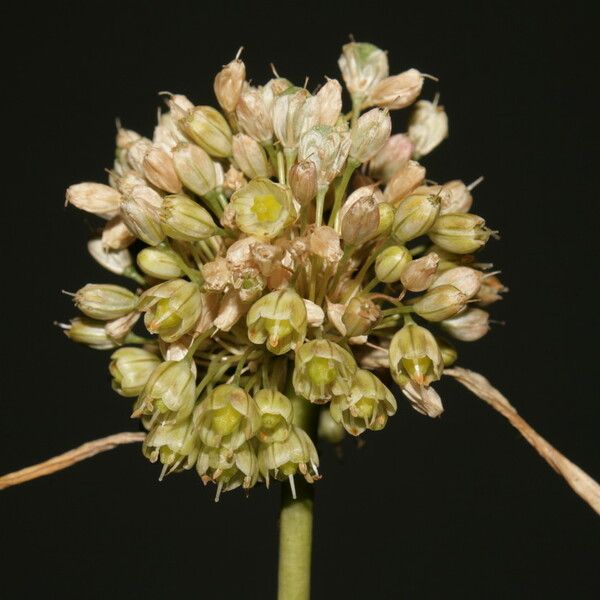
(457, 507)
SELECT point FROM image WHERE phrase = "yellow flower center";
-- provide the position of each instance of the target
(266, 208)
(225, 420)
(417, 368)
(164, 316)
(289, 468)
(320, 370)
(271, 421)
(365, 407)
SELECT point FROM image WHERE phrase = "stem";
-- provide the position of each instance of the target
(296, 519)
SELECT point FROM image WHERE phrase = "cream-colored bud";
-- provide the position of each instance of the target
(360, 316)
(130, 369)
(314, 314)
(440, 303)
(136, 153)
(491, 290)
(216, 274)
(420, 273)
(303, 181)
(158, 263)
(403, 182)
(449, 353)
(465, 279)
(116, 235)
(394, 155)
(208, 128)
(455, 196)
(324, 242)
(369, 134)
(415, 216)
(167, 133)
(276, 413)
(415, 356)
(468, 326)
(397, 91)
(461, 233)
(250, 156)
(428, 127)
(115, 261)
(159, 170)
(363, 66)
(233, 181)
(328, 429)
(95, 198)
(329, 99)
(278, 319)
(179, 106)
(172, 308)
(423, 399)
(294, 113)
(229, 83)
(141, 213)
(118, 329)
(263, 208)
(125, 137)
(359, 217)
(391, 262)
(184, 219)
(89, 332)
(328, 149)
(254, 115)
(105, 301)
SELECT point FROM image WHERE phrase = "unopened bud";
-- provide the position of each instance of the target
(184, 219)
(428, 127)
(105, 301)
(468, 326)
(229, 83)
(95, 198)
(250, 156)
(329, 99)
(455, 196)
(359, 217)
(160, 171)
(420, 273)
(141, 213)
(403, 182)
(449, 353)
(415, 216)
(369, 134)
(136, 153)
(394, 155)
(208, 128)
(131, 368)
(328, 429)
(440, 303)
(195, 168)
(491, 290)
(327, 148)
(465, 279)
(89, 332)
(294, 113)
(158, 263)
(363, 66)
(397, 91)
(179, 106)
(254, 115)
(461, 233)
(391, 262)
(116, 235)
(360, 316)
(303, 181)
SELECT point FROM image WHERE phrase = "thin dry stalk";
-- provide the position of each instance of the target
(62, 461)
(580, 481)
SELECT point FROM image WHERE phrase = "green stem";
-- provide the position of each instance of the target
(319, 206)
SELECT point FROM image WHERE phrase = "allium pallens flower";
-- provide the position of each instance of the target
(287, 250)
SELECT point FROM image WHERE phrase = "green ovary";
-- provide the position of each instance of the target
(320, 370)
(365, 407)
(225, 420)
(164, 316)
(417, 368)
(266, 208)
(270, 421)
(289, 468)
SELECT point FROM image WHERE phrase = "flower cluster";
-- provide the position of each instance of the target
(284, 252)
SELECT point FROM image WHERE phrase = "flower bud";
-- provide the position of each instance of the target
(159, 170)
(386, 218)
(263, 208)
(362, 66)
(279, 319)
(169, 391)
(105, 301)
(329, 100)
(229, 83)
(449, 353)
(420, 273)
(175, 444)
(179, 106)
(294, 113)
(369, 134)
(462, 233)
(359, 217)
(250, 156)
(323, 369)
(227, 417)
(324, 242)
(360, 316)
(208, 128)
(327, 148)
(118, 329)
(303, 181)
(167, 133)
(390, 263)
(136, 154)
(254, 115)
(158, 263)
(423, 399)
(415, 356)
(184, 219)
(440, 303)
(172, 308)
(95, 198)
(367, 406)
(130, 369)
(116, 235)
(455, 196)
(403, 182)
(141, 213)
(397, 91)
(428, 127)
(282, 460)
(415, 216)
(276, 413)
(328, 429)
(468, 326)
(394, 155)
(464, 279)
(115, 261)
(491, 290)
(89, 332)
(195, 168)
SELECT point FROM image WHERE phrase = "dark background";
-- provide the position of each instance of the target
(457, 507)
